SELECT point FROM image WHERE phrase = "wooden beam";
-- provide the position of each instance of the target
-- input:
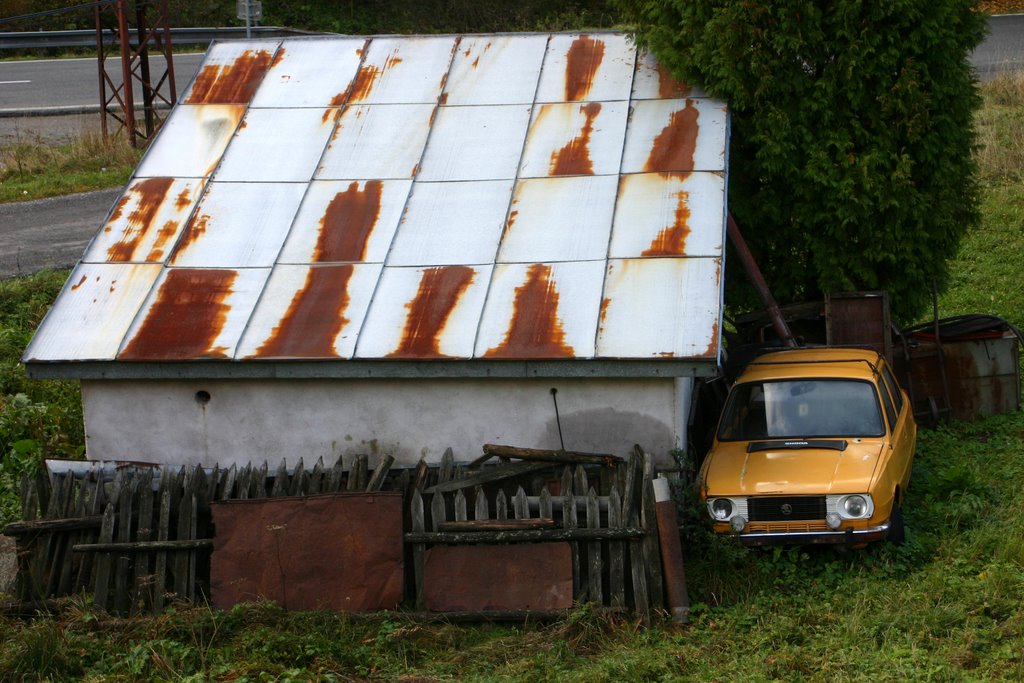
(143, 546)
(499, 525)
(523, 536)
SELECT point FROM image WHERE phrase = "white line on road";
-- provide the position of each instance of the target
(13, 82)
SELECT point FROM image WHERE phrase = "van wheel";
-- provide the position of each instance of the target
(897, 532)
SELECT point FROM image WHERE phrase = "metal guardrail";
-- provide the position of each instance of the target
(32, 40)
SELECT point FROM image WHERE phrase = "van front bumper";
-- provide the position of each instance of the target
(843, 536)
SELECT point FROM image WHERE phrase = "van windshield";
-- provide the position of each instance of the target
(792, 409)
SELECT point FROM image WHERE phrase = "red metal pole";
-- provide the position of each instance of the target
(671, 552)
(757, 279)
(126, 71)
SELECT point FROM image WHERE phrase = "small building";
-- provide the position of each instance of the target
(399, 244)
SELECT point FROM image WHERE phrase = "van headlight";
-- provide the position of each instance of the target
(724, 509)
(852, 506)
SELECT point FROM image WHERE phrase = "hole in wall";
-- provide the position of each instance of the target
(202, 397)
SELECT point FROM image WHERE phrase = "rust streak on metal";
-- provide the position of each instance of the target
(79, 283)
(183, 200)
(712, 349)
(330, 115)
(193, 231)
(277, 58)
(510, 222)
(669, 87)
(162, 238)
(314, 318)
(671, 241)
(574, 157)
(151, 194)
(582, 62)
(233, 83)
(393, 60)
(536, 330)
(348, 222)
(187, 317)
(118, 209)
(338, 99)
(674, 146)
(605, 302)
(443, 100)
(363, 83)
(439, 292)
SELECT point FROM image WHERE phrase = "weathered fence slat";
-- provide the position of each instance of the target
(481, 509)
(280, 487)
(595, 568)
(418, 549)
(100, 592)
(616, 554)
(500, 505)
(544, 507)
(380, 474)
(167, 485)
(460, 508)
(142, 592)
(437, 511)
(651, 544)
(520, 505)
(524, 535)
(489, 475)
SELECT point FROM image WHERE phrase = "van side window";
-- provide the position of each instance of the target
(894, 388)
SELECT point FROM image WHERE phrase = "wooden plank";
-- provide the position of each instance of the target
(565, 483)
(569, 525)
(524, 536)
(144, 547)
(478, 462)
(418, 549)
(316, 478)
(43, 492)
(184, 527)
(227, 488)
(652, 545)
(168, 484)
(420, 480)
(498, 524)
(544, 455)
(489, 475)
(595, 569)
(67, 567)
(460, 509)
(123, 563)
(29, 498)
(480, 507)
(49, 547)
(102, 588)
(580, 482)
(631, 516)
(446, 471)
(258, 482)
(280, 487)
(336, 477)
(376, 481)
(437, 513)
(544, 507)
(500, 505)
(94, 506)
(520, 505)
(142, 593)
(244, 483)
(616, 553)
(41, 526)
(357, 476)
(299, 479)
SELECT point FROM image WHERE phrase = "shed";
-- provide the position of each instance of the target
(341, 245)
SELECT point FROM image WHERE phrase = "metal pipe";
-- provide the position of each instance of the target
(671, 552)
(757, 279)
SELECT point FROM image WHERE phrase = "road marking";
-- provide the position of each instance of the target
(13, 82)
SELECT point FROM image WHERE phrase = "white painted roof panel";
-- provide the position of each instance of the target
(489, 197)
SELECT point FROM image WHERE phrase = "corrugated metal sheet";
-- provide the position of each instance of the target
(521, 197)
(146, 221)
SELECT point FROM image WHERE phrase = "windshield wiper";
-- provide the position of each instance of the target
(796, 444)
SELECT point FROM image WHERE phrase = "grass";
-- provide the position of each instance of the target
(31, 168)
(946, 606)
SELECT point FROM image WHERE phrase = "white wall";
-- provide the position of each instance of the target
(256, 420)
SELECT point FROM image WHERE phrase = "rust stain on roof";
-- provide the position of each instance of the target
(363, 83)
(671, 241)
(183, 199)
(314, 318)
(233, 83)
(574, 157)
(195, 229)
(151, 194)
(187, 317)
(348, 222)
(162, 238)
(712, 349)
(582, 62)
(439, 292)
(512, 216)
(277, 58)
(536, 330)
(393, 60)
(605, 302)
(443, 100)
(330, 115)
(118, 209)
(79, 283)
(674, 146)
(669, 87)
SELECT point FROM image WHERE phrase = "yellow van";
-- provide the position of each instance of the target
(814, 445)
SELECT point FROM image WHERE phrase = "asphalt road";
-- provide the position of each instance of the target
(54, 232)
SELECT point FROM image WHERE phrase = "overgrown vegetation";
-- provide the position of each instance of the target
(850, 156)
(32, 168)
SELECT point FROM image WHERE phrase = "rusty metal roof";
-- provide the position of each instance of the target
(475, 199)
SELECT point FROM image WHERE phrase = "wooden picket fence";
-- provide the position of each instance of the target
(139, 537)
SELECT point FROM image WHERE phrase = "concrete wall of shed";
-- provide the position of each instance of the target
(249, 420)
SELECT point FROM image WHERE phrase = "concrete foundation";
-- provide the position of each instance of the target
(241, 421)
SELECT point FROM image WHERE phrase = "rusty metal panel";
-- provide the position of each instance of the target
(377, 142)
(559, 219)
(654, 82)
(668, 136)
(475, 143)
(574, 139)
(403, 70)
(145, 221)
(660, 308)
(346, 221)
(541, 310)
(481, 578)
(194, 313)
(859, 318)
(231, 72)
(191, 141)
(495, 70)
(310, 312)
(338, 551)
(451, 223)
(298, 77)
(93, 313)
(277, 145)
(587, 68)
(662, 214)
(424, 313)
(238, 225)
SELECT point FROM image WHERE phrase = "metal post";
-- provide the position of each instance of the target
(757, 279)
(248, 19)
